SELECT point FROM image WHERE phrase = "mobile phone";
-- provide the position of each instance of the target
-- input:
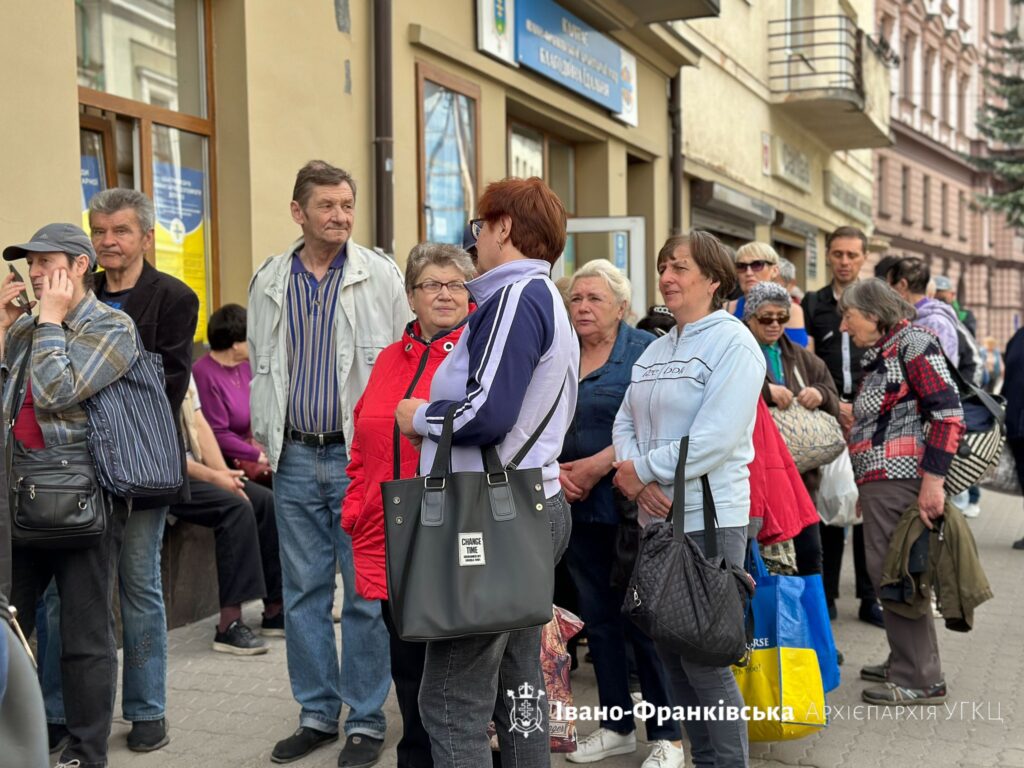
(22, 298)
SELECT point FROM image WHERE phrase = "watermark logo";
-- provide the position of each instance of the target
(525, 712)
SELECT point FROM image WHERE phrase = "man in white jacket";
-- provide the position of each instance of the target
(319, 314)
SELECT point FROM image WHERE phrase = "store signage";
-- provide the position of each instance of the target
(496, 29)
(558, 45)
(791, 165)
(846, 199)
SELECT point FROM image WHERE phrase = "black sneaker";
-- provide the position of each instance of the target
(239, 640)
(360, 751)
(1018, 544)
(871, 613)
(875, 673)
(58, 736)
(893, 694)
(832, 612)
(148, 735)
(273, 626)
(300, 744)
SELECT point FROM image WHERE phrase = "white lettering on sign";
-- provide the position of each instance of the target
(471, 548)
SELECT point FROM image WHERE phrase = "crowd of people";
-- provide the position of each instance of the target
(343, 373)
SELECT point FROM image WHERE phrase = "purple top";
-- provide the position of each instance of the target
(224, 393)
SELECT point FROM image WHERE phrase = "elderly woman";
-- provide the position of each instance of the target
(222, 379)
(702, 379)
(759, 263)
(907, 425)
(75, 347)
(598, 301)
(793, 374)
(435, 281)
(514, 366)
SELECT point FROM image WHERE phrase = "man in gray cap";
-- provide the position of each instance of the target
(72, 332)
(944, 291)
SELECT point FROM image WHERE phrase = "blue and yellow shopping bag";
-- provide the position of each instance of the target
(793, 657)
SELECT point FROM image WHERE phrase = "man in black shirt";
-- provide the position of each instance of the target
(846, 249)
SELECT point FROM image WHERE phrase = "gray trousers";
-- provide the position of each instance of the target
(714, 743)
(913, 646)
(467, 681)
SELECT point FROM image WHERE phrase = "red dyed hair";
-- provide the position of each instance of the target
(538, 216)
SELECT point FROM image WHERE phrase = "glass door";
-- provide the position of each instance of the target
(620, 239)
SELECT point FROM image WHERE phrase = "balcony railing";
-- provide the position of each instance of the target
(826, 73)
(815, 53)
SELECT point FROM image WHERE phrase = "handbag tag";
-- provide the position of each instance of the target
(471, 548)
(432, 508)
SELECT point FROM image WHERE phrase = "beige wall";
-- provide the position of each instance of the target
(39, 158)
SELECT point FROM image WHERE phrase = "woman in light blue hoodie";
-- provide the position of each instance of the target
(702, 379)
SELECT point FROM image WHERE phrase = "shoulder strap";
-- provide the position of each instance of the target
(514, 464)
(679, 498)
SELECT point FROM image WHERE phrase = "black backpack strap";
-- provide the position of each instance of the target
(518, 458)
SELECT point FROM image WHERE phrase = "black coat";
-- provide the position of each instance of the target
(166, 312)
(1013, 385)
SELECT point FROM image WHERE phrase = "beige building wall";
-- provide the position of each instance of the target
(39, 159)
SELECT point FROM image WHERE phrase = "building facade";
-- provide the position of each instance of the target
(926, 189)
(211, 106)
(778, 121)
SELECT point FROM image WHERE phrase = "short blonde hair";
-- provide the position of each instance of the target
(761, 251)
(618, 283)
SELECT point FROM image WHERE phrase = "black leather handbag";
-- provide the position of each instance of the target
(693, 603)
(469, 553)
(56, 501)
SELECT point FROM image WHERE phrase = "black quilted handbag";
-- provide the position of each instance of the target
(694, 604)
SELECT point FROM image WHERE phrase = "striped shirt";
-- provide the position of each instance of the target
(68, 365)
(314, 396)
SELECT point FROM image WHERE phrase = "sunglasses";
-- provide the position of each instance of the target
(772, 319)
(753, 266)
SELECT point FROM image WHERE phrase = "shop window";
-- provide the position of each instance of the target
(143, 117)
(534, 153)
(449, 157)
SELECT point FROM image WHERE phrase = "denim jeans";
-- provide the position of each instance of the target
(309, 486)
(469, 680)
(143, 622)
(88, 666)
(713, 743)
(590, 556)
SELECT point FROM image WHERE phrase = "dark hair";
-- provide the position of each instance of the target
(713, 259)
(226, 327)
(538, 216)
(89, 278)
(658, 320)
(911, 269)
(885, 264)
(846, 232)
(317, 173)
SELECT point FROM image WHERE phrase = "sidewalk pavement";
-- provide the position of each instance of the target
(229, 711)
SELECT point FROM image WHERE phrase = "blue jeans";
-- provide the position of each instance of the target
(143, 620)
(591, 555)
(309, 486)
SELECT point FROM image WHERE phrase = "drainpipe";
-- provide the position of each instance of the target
(675, 111)
(383, 122)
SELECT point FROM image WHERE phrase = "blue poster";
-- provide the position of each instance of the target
(621, 251)
(178, 195)
(555, 43)
(90, 179)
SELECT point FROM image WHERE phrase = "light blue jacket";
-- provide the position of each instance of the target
(375, 310)
(704, 383)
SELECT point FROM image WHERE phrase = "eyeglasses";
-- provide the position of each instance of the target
(772, 319)
(476, 226)
(433, 287)
(753, 266)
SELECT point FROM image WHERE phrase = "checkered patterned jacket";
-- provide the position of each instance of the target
(907, 415)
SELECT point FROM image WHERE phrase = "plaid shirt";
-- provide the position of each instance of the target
(95, 347)
(907, 415)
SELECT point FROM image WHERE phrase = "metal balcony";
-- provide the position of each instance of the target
(826, 74)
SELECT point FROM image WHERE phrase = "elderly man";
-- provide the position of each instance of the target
(166, 311)
(319, 314)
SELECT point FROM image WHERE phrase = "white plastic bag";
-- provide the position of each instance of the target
(837, 494)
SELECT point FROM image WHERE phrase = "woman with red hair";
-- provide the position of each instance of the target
(516, 360)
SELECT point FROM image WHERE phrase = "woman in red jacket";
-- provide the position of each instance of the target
(435, 280)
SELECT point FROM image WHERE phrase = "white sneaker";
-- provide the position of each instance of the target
(972, 510)
(664, 754)
(603, 743)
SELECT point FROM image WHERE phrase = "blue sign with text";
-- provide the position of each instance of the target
(558, 45)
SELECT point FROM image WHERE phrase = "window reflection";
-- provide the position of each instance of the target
(449, 158)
